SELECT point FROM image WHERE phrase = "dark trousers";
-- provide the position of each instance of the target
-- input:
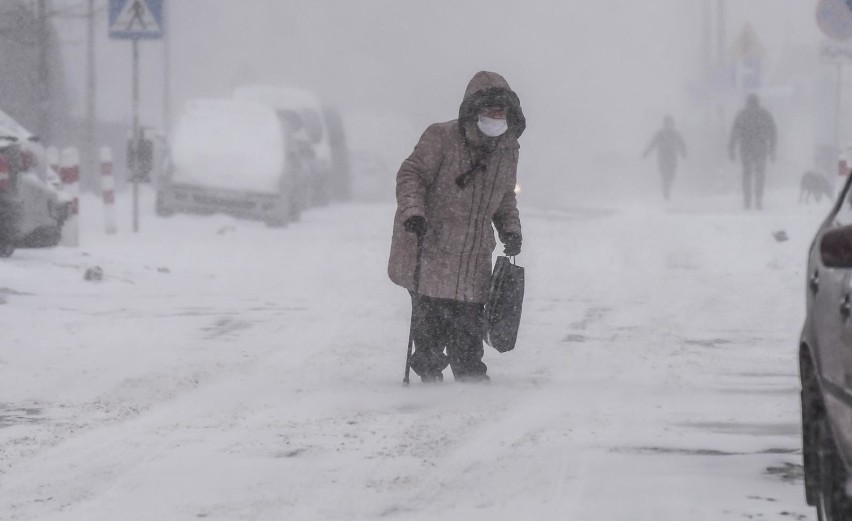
(441, 324)
(754, 175)
(668, 175)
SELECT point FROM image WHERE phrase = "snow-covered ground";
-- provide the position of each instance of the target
(224, 370)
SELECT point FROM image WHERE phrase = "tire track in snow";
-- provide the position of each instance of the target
(96, 462)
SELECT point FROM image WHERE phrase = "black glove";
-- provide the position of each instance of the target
(512, 243)
(415, 224)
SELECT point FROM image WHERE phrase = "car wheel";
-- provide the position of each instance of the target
(832, 503)
(276, 222)
(279, 218)
(295, 208)
(6, 250)
(812, 413)
(161, 208)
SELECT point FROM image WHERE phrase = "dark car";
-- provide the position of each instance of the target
(825, 363)
(33, 206)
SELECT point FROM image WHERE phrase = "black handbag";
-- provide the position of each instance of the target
(503, 308)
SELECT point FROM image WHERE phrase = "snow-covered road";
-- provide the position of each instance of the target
(223, 370)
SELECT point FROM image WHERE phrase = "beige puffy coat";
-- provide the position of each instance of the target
(459, 240)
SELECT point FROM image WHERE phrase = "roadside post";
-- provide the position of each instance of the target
(53, 159)
(69, 173)
(108, 189)
(136, 20)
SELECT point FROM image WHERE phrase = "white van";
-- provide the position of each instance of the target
(301, 115)
(227, 156)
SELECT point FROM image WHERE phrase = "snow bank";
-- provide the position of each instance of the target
(655, 377)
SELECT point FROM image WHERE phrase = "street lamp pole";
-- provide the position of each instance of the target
(167, 69)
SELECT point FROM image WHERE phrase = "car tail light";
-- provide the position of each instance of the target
(5, 174)
(28, 160)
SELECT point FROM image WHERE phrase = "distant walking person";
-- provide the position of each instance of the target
(669, 145)
(755, 135)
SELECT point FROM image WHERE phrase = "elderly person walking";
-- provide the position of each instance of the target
(459, 179)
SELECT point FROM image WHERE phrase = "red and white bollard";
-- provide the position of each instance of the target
(53, 159)
(108, 189)
(69, 173)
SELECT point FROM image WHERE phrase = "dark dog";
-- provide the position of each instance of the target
(815, 185)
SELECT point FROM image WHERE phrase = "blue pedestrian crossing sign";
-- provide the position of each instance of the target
(136, 19)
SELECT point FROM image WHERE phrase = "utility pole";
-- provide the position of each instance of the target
(167, 70)
(721, 59)
(89, 137)
(707, 37)
(838, 107)
(708, 78)
(44, 84)
(137, 136)
(721, 33)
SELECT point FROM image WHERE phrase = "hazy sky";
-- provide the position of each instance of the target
(593, 76)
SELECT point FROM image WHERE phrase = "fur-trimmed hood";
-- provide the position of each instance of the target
(489, 87)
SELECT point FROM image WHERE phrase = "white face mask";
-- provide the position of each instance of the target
(492, 127)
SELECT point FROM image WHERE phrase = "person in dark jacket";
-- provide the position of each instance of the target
(459, 180)
(755, 135)
(669, 145)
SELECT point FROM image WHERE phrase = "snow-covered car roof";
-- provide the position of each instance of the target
(302, 102)
(279, 97)
(231, 144)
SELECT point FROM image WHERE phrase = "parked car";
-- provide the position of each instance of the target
(302, 118)
(33, 206)
(825, 364)
(226, 156)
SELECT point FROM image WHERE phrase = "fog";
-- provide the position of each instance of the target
(247, 366)
(594, 78)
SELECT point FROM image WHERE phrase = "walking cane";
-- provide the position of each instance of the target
(405, 380)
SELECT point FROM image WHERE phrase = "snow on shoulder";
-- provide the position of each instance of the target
(230, 144)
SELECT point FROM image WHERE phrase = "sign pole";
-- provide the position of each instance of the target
(137, 20)
(839, 106)
(136, 174)
(167, 80)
